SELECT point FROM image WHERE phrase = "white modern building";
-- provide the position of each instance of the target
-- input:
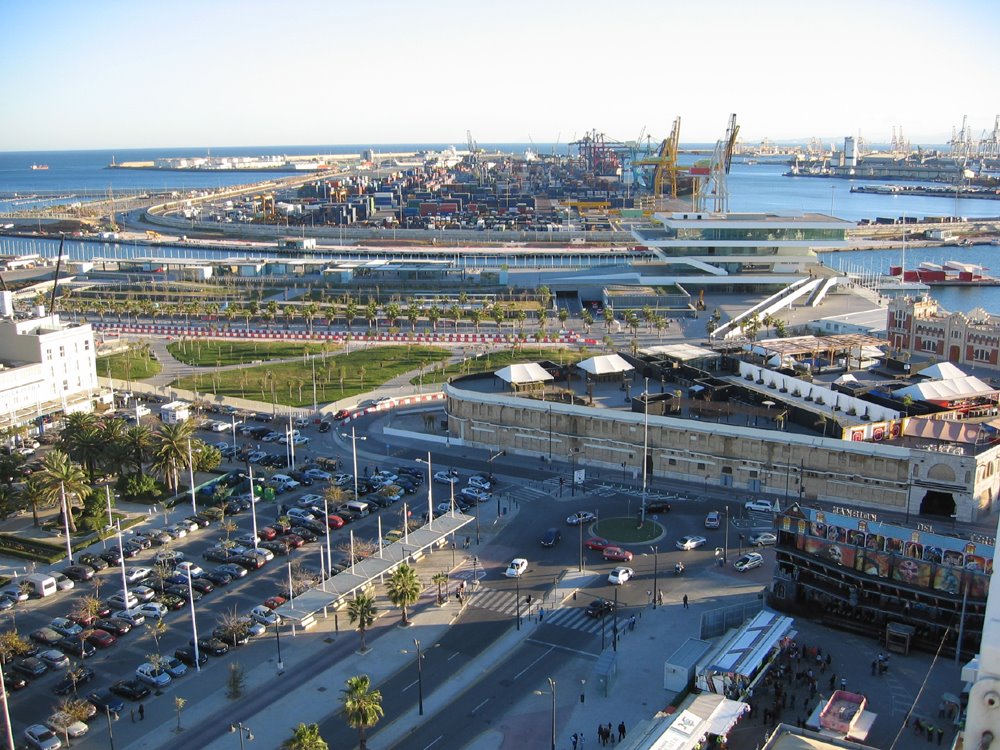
(46, 366)
(732, 248)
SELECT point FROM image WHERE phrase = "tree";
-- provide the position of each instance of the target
(170, 450)
(61, 479)
(440, 579)
(362, 706)
(236, 682)
(563, 316)
(156, 629)
(412, 314)
(362, 610)
(12, 644)
(34, 494)
(588, 320)
(403, 589)
(178, 707)
(305, 737)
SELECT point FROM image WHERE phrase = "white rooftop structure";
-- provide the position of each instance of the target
(947, 390)
(680, 352)
(941, 371)
(607, 364)
(531, 372)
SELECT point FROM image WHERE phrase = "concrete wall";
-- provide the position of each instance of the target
(883, 476)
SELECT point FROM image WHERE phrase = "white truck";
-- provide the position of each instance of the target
(42, 585)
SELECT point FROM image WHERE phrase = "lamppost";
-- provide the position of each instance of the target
(194, 505)
(517, 599)
(656, 550)
(194, 624)
(354, 452)
(430, 485)
(581, 544)
(277, 640)
(420, 679)
(253, 504)
(234, 435)
(725, 549)
(244, 730)
(111, 734)
(552, 690)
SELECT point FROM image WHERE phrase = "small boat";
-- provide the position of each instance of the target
(995, 242)
(39, 166)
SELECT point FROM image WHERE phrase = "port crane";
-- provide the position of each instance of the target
(664, 164)
(713, 179)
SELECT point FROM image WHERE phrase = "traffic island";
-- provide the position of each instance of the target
(625, 531)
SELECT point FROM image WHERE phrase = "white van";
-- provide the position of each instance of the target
(42, 585)
(759, 506)
(282, 482)
(356, 506)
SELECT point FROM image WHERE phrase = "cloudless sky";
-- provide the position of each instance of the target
(120, 73)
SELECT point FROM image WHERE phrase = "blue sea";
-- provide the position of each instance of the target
(761, 187)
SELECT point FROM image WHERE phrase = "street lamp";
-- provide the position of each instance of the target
(645, 451)
(194, 624)
(244, 730)
(725, 550)
(430, 485)
(552, 693)
(194, 505)
(517, 599)
(656, 550)
(277, 639)
(354, 451)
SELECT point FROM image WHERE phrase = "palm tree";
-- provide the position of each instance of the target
(138, 440)
(362, 705)
(404, 589)
(455, 313)
(609, 318)
(361, 610)
(305, 737)
(440, 579)
(392, 312)
(350, 313)
(563, 316)
(588, 320)
(371, 312)
(61, 480)
(83, 442)
(34, 494)
(170, 451)
(412, 314)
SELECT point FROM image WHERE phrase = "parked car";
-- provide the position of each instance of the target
(212, 646)
(79, 572)
(516, 568)
(65, 626)
(749, 561)
(186, 656)
(132, 690)
(265, 615)
(65, 724)
(445, 477)
(480, 482)
(99, 638)
(691, 542)
(45, 636)
(92, 561)
(40, 737)
(156, 677)
(54, 659)
(318, 475)
(71, 683)
(78, 646)
(763, 539)
(106, 703)
(113, 625)
(618, 576)
(30, 667)
(134, 575)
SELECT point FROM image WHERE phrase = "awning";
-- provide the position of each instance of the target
(532, 372)
(605, 365)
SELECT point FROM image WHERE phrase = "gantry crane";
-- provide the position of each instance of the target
(713, 180)
(665, 163)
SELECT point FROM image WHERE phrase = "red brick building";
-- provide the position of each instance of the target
(921, 326)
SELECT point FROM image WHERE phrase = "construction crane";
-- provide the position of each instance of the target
(664, 164)
(713, 179)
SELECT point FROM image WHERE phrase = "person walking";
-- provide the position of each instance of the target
(575, 739)
(685, 600)
(142, 712)
(940, 734)
(659, 598)
(621, 731)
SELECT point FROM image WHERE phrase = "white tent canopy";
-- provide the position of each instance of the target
(607, 364)
(946, 390)
(532, 372)
(941, 371)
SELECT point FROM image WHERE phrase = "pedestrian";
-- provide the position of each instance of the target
(874, 666)
(600, 734)
(621, 731)
(843, 683)
(142, 712)
(833, 680)
(659, 597)
(132, 712)
(610, 733)
(829, 659)
(575, 740)
(685, 601)
(631, 623)
(930, 733)
(940, 734)
(581, 740)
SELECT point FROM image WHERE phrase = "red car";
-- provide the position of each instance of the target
(294, 540)
(334, 522)
(342, 414)
(596, 542)
(617, 554)
(100, 638)
(266, 534)
(274, 602)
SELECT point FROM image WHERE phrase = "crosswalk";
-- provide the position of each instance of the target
(505, 602)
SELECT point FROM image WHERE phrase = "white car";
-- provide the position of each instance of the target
(691, 542)
(581, 516)
(307, 500)
(54, 659)
(134, 575)
(185, 567)
(300, 440)
(759, 506)
(40, 737)
(319, 475)
(154, 610)
(516, 568)
(61, 722)
(619, 576)
(749, 561)
(265, 616)
(62, 582)
(125, 600)
(763, 539)
(168, 557)
(143, 593)
(445, 477)
(480, 482)
(475, 494)
(152, 676)
(132, 616)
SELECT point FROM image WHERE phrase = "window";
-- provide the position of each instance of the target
(928, 345)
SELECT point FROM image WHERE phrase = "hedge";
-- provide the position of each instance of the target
(31, 549)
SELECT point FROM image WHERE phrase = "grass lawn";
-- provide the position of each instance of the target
(135, 364)
(496, 360)
(219, 353)
(625, 531)
(337, 377)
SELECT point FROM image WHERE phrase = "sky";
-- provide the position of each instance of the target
(125, 74)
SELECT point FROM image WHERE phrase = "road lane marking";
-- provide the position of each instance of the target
(577, 651)
(440, 737)
(485, 701)
(453, 656)
(534, 663)
(409, 686)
